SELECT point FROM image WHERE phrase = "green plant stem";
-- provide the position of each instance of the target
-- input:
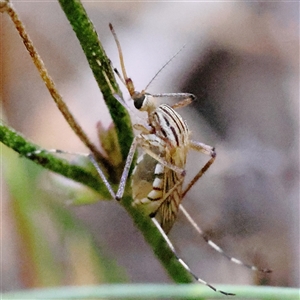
(17, 142)
(101, 68)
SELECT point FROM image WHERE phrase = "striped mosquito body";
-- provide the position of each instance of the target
(158, 177)
(157, 189)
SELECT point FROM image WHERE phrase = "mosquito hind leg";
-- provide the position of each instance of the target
(182, 262)
(208, 150)
(216, 247)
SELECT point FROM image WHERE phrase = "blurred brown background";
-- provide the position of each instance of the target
(241, 60)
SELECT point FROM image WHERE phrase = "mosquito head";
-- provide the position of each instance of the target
(143, 101)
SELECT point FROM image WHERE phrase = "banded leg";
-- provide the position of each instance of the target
(210, 151)
(216, 247)
(181, 261)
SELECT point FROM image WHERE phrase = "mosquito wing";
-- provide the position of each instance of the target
(156, 190)
(172, 191)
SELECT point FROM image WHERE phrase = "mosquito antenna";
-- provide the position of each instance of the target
(119, 75)
(164, 67)
(119, 50)
(128, 82)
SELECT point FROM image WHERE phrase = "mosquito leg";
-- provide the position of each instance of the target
(181, 261)
(208, 150)
(216, 247)
(125, 173)
(102, 175)
(175, 95)
(187, 98)
(200, 147)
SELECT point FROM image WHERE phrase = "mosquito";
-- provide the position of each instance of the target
(158, 177)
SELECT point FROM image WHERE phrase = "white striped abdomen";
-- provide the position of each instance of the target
(152, 182)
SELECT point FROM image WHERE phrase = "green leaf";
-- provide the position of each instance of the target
(156, 291)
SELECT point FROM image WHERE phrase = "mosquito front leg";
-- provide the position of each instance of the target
(125, 173)
(187, 98)
(208, 150)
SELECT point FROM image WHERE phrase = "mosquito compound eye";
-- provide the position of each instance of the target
(139, 99)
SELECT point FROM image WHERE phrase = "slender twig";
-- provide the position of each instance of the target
(51, 85)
